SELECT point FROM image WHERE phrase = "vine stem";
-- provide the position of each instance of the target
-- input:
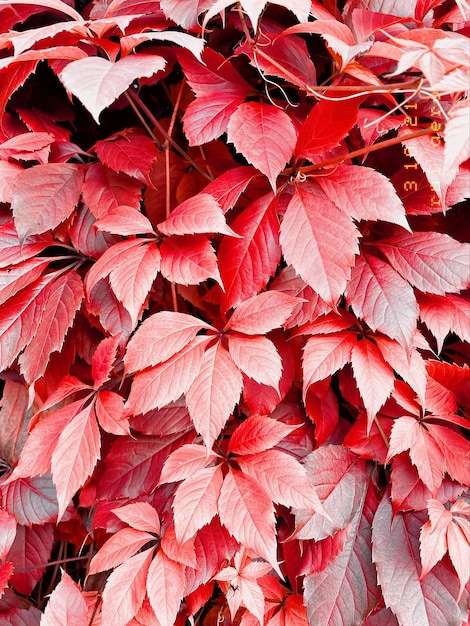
(170, 140)
(356, 153)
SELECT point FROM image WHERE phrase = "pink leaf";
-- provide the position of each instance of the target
(395, 541)
(260, 314)
(97, 82)
(139, 515)
(199, 214)
(195, 502)
(66, 605)
(109, 407)
(212, 396)
(124, 220)
(119, 548)
(443, 315)
(208, 116)
(264, 135)
(257, 434)
(432, 262)
(104, 190)
(160, 337)
(382, 298)
(247, 264)
(64, 297)
(188, 260)
(186, 461)
(364, 194)
(75, 456)
(165, 383)
(248, 514)
(326, 354)
(8, 524)
(44, 196)
(374, 377)
(320, 242)
(256, 357)
(283, 478)
(103, 360)
(165, 587)
(125, 589)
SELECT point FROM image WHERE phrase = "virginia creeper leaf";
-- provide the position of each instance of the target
(66, 605)
(165, 586)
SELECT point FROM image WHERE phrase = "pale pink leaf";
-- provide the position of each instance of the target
(432, 262)
(66, 605)
(165, 383)
(160, 337)
(124, 592)
(139, 515)
(97, 82)
(44, 196)
(326, 354)
(383, 299)
(265, 135)
(103, 360)
(184, 462)
(433, 536)
(457, 137)
(248, 514)
(110, 413)
(395, 551)
(124, 220)
(165, 587)
(189, 260)
(364, 194)
(320, 242)
(75, 456)
(212, 396)
(443, 315)
(283, 478)
(260, 314)
(120, 546)
(195, 502)
(8, 525)
(374, 377)
(198, 214)
(208, 116)
(257, 357)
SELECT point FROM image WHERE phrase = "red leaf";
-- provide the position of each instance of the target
(207, 117)
(325, 126)
(364, 194)
(195, 502)
(75, 456)
(44, 196)
(188, 260)
(119, 548)
(103, 360)
(165, 383)
(104, 190)
(159, 338)
(247, 264)
(260, 314)
(14, 417)
(130, 152)
(248, 514)
(443, 315)
(11, 79)
(199, 214)
(382, 298)
(375, 379)
(265, 135)
(8, 174)
(395, 541)
(13, 251)
(320, 242)
(257, 434)
(97, 82)
(230, 185)
(432, 262)
(165, 586)
(124, 592)
(63, 299)
(66, 605)
(30, 553)
(346, 591)
(212, 396)
(457, 138)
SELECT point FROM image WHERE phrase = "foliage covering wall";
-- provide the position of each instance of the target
(234, 321)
